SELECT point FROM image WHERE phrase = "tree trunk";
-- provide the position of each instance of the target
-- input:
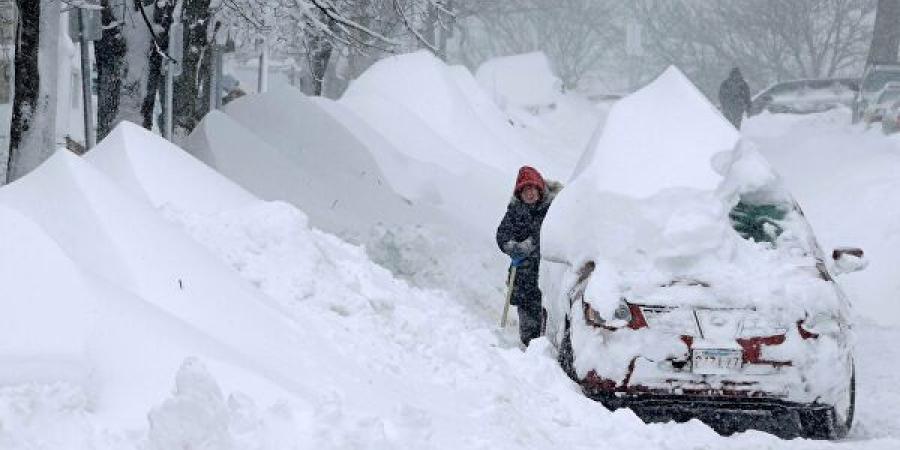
(445, 30)
(192, 87)
(335, 83)
(109, 54)
(886, 35)
(430, 25)
(28, 78)
(318, 63)
(33, 130)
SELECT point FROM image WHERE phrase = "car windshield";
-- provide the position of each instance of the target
(889, 96)
(759, 223)
(877, 79)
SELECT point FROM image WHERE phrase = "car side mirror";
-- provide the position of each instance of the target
(848, 260)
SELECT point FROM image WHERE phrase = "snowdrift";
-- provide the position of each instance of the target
(520, 81)
(159, 171)
(453, 216)
(282, 146)
(131, 295)
(399, 93)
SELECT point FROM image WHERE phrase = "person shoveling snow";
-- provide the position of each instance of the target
(519, 236)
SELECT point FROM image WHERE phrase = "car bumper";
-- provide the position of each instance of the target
(726, 415)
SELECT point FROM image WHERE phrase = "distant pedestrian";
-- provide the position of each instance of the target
(734, 97)
(519, 236)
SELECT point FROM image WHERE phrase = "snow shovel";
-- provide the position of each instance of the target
(510, 285)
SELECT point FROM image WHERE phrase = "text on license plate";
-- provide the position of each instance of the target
(715, 361)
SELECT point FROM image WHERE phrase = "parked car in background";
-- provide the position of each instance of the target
(805, 96)
(874, 78)
(886, 97)
(890, 123)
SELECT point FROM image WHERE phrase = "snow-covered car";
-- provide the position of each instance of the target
(889, 94)
(874, 78)
(691, 284)
(805, 96)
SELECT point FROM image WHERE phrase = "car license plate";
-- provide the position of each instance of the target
(716, 361)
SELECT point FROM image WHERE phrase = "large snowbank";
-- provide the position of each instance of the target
(297, 152)
(436, 240)
(520, 81)
(129, 297)
(158, 170)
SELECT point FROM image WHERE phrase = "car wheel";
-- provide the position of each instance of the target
(544, 317)
(827, 423)
(566, 358)
(851, 409)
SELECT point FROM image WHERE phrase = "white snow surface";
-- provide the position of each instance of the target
(517, 81)
(283, 336)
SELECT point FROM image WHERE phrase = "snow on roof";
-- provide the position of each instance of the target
(520, 80)
(449, 103)
(662, 136)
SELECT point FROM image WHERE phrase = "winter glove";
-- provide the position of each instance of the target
(519, 250)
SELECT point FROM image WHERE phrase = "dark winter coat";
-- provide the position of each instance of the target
(519, 236)
(734, 97)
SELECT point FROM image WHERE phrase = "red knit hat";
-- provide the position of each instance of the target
(529, 176)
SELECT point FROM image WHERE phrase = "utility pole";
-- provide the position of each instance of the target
(265, 31)
(90, 133)
(263, 84)
(9, 17)
(173, 69)
(221, 45)
(85, 25)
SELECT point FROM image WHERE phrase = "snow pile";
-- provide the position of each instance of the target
(437, 241)
(131, 297)
(135, 159)
(417, 93)
(282, 146)
(520, 81)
